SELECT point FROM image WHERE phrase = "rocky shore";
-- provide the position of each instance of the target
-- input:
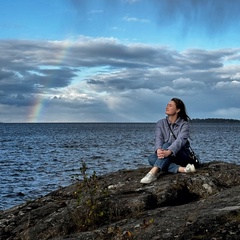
(201, 205)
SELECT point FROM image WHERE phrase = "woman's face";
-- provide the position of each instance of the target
(171, 109)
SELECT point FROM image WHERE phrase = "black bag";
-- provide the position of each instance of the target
(192, 156)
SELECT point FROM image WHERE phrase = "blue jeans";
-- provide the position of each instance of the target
(169, 164)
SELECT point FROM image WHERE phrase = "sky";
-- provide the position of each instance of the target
(118, 60)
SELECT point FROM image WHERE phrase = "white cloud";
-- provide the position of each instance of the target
(132, 1)
(236, 76)
(227, 113)
(134, 19)
(187, 83)
(228, 85)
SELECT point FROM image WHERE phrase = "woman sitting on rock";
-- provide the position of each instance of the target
(171, 143)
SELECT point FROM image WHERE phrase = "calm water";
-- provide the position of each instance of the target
(38, 158)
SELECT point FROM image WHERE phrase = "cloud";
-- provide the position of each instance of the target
(134, 19)
(94, 11)
(132, 1)
(187, 83)
(227, 113)
(101, 79)
(236, 76)
(233, 85)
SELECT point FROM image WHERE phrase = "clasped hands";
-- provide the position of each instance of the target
(161, 153)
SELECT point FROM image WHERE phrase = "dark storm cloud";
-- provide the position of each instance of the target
(54, 78)
(27, 65)
(20, 75)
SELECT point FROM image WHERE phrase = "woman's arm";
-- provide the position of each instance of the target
(159, 135)
(182, 135)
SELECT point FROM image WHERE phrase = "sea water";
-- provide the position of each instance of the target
(36, 159)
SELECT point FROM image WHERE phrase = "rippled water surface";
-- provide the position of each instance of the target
(38, 158)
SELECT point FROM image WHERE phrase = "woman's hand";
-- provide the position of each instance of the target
(161, 153)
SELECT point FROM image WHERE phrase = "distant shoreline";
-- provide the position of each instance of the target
(215, 120)
(193, 120)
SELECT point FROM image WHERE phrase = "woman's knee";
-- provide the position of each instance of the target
(166, 145)
(152, 159)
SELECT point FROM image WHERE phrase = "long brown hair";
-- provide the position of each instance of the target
(180, 105)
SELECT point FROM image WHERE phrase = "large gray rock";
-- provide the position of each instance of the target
(201, 205)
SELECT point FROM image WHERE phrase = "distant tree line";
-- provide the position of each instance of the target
(215, 120)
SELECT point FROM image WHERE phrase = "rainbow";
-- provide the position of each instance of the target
(36, 109)
(61, 48)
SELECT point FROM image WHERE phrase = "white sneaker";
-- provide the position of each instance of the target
(148, 178)
(190, 168)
